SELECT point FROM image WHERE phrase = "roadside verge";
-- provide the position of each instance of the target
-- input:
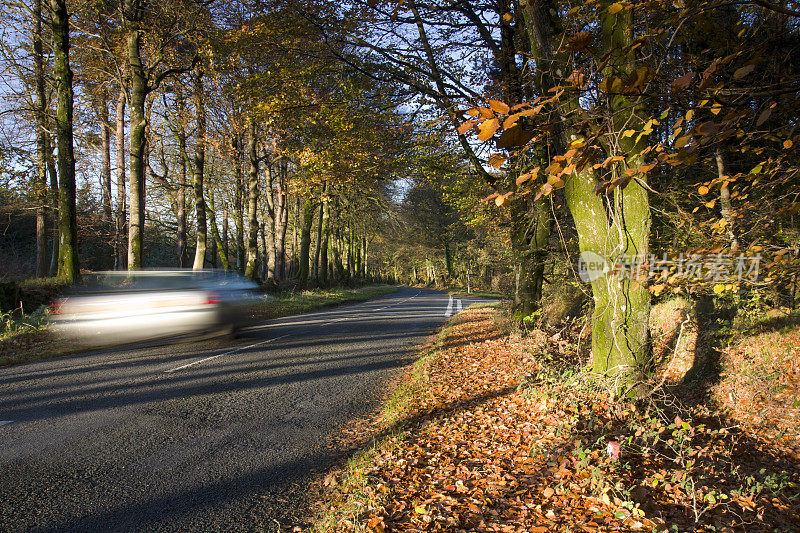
(495, 431)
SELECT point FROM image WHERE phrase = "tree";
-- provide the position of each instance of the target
(68, 264)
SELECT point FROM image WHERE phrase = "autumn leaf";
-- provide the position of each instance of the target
(744, 71)
(682, 83)
(486, 112)
(465, 127)
(581, 41)
(510, 121)
(514, 137)
(615, 8)
(763, 117)
(703, 190)
(487, 129)
(497, 160)
(499, 107)
(502, 200)
(490, 197)
(787, 144)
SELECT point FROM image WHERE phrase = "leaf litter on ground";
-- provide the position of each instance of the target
(498, 431)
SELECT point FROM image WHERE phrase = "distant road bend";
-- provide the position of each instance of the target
(205, 436)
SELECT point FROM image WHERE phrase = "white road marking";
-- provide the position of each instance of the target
(449, 310)
(4, 422)
(230, 352)
(224, 353)
(458, 306)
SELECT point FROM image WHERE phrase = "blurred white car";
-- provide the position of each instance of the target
(122, 307)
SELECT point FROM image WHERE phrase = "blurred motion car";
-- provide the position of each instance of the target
(118, 307)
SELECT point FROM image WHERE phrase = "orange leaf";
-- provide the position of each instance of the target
(465, 127)
(497, 160)
(487, 129)
(499, 107)
(510, 121)
(486, 112)
(491, 197)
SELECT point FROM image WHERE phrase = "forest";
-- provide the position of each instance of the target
(611, 152)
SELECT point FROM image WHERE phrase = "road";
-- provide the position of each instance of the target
(214, 435)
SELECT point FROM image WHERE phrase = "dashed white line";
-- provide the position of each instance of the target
(225, 353)
(230, 352)
(449, 310)
(4, 422)
(458, 306)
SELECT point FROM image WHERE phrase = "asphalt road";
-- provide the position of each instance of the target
(214, 435)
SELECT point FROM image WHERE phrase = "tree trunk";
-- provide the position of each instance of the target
(265, 253)
(252, 201)
(319, 231)
(621, 303)
(68, 265)
(238, 208)
(41, 155)
(121, 252)
(199, 167)
(281, 222)
(138, 126)
(305, 240)
(105, 172)
(448, 258)
(51, 171)
(726, 209)
(326, 231)
(225, 230)
(363, 257)
(218, 249)
(530, 235)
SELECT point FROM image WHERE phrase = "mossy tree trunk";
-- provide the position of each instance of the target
(309, 208)
(40, 104)
(281, 223)
(530, 236)
(68, 264)
(120, 219)
(252, 201)
(133, 11)
(615, 229)
(326, 232)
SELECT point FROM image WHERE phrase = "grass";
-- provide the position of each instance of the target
(27, 339)
(479, 294)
